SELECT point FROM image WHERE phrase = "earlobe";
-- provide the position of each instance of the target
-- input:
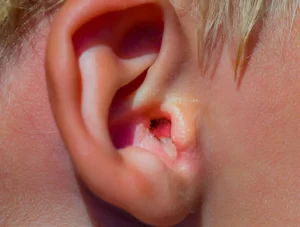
(99, 55)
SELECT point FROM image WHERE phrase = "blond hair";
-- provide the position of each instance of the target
(236, 20)
(17, 17)
(233, 18)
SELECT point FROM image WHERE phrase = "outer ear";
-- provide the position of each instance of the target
(99, 54)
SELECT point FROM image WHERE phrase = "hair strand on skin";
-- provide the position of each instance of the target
(235, 20)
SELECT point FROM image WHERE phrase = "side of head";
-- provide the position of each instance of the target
(144, 97)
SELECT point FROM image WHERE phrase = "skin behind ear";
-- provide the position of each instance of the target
(102, 53)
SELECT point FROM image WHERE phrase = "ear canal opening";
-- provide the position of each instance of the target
(160, 127)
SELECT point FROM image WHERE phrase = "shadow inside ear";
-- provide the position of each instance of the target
(130, 33)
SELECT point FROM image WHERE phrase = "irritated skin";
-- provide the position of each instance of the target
(248, 137)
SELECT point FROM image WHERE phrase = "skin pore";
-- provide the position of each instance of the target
(246, 132)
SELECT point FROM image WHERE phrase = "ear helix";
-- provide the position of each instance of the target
(95, 49)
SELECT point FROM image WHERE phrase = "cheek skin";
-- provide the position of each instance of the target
(37, 184)
(252, 139)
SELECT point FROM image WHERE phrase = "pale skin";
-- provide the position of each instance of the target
(236, 158)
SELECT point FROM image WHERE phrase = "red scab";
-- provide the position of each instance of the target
(160, 128)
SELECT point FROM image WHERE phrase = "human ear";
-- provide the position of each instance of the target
(108, 65)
